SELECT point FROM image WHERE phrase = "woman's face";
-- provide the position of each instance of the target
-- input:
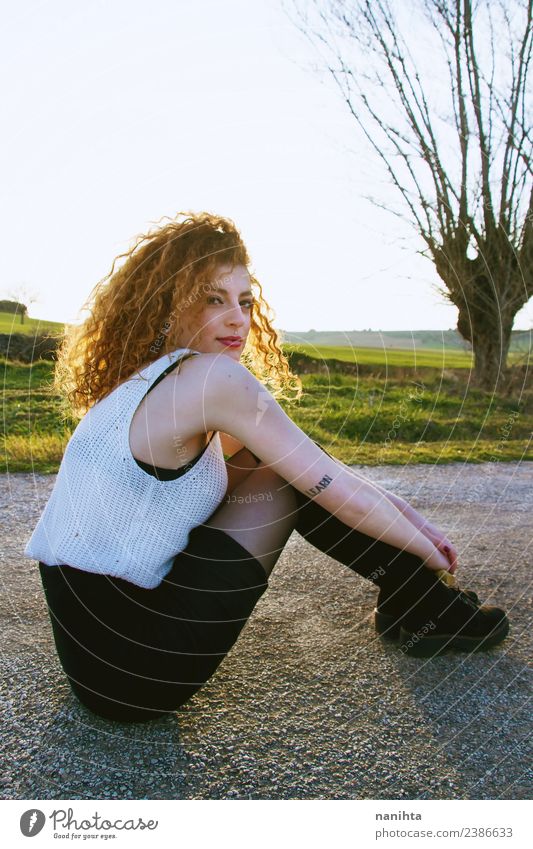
(220, 322)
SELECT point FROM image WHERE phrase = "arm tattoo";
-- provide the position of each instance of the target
(322, 484)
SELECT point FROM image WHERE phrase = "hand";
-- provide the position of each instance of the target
(437, 561)
(443, 544)
(434, 535)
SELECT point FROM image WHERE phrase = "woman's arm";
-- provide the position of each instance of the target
(403, 506)
(233, 401)
(434, 534)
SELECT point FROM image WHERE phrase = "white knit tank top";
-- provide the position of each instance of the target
(105, 514)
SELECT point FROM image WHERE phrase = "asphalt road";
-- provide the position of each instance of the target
(309, 704)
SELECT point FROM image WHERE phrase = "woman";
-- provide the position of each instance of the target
(153, 549)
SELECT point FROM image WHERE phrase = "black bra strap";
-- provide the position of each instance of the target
(170, 368)
(157, 471)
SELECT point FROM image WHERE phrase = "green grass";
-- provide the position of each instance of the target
(443, 358)
(434, 420)
(410, 357)
(10, 323)
(366, 420)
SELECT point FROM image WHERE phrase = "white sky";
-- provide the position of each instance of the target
(118, 113)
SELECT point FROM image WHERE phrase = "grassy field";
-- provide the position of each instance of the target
(360, 420)
(412, 356)
(10, 323)
(443, 358)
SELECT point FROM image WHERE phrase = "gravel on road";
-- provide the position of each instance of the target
(309, 703)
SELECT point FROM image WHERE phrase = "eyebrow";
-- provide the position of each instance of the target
(225, 291)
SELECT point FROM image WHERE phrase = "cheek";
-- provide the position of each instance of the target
(196, 322)
(203, 322)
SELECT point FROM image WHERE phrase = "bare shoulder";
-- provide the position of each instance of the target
(226, 396)
(208, 391)
(189, 403)
(214, 375)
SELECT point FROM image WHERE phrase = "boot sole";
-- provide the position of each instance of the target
(429, 646)
(386, 626)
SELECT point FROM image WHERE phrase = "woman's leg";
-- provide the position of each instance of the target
(239, 467)
(260, 513)
(261, 510)
(413, 603)
(264, 509)
(402, 577)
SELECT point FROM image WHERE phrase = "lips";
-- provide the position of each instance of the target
(233, 341)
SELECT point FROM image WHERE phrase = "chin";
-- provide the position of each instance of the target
(234, 353)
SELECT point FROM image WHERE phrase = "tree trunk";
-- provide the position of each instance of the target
(488, 291)
(490, 341)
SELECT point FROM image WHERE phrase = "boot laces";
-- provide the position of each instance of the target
(464, 598)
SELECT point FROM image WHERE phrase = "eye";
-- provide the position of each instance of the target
(214, 298)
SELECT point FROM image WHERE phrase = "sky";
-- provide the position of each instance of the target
(117, 114)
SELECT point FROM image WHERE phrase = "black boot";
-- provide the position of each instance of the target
(388, 614)
(452, 620)
(414, 603)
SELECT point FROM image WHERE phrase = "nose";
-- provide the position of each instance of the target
(234, 317)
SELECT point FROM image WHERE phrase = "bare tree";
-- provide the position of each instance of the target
(439, 89)
(24, 297)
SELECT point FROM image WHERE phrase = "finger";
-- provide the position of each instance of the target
(451, 554)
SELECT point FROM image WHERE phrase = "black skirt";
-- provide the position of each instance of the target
(133, 654)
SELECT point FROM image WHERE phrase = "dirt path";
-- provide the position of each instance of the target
(309, 704)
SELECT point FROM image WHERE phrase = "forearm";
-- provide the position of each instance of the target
(411, 531)
(412, 515)
(407, 510)
(376, 516)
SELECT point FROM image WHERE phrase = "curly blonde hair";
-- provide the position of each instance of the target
(135, 312)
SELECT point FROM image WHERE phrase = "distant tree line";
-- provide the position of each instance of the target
(26, 348)
(14, 307)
